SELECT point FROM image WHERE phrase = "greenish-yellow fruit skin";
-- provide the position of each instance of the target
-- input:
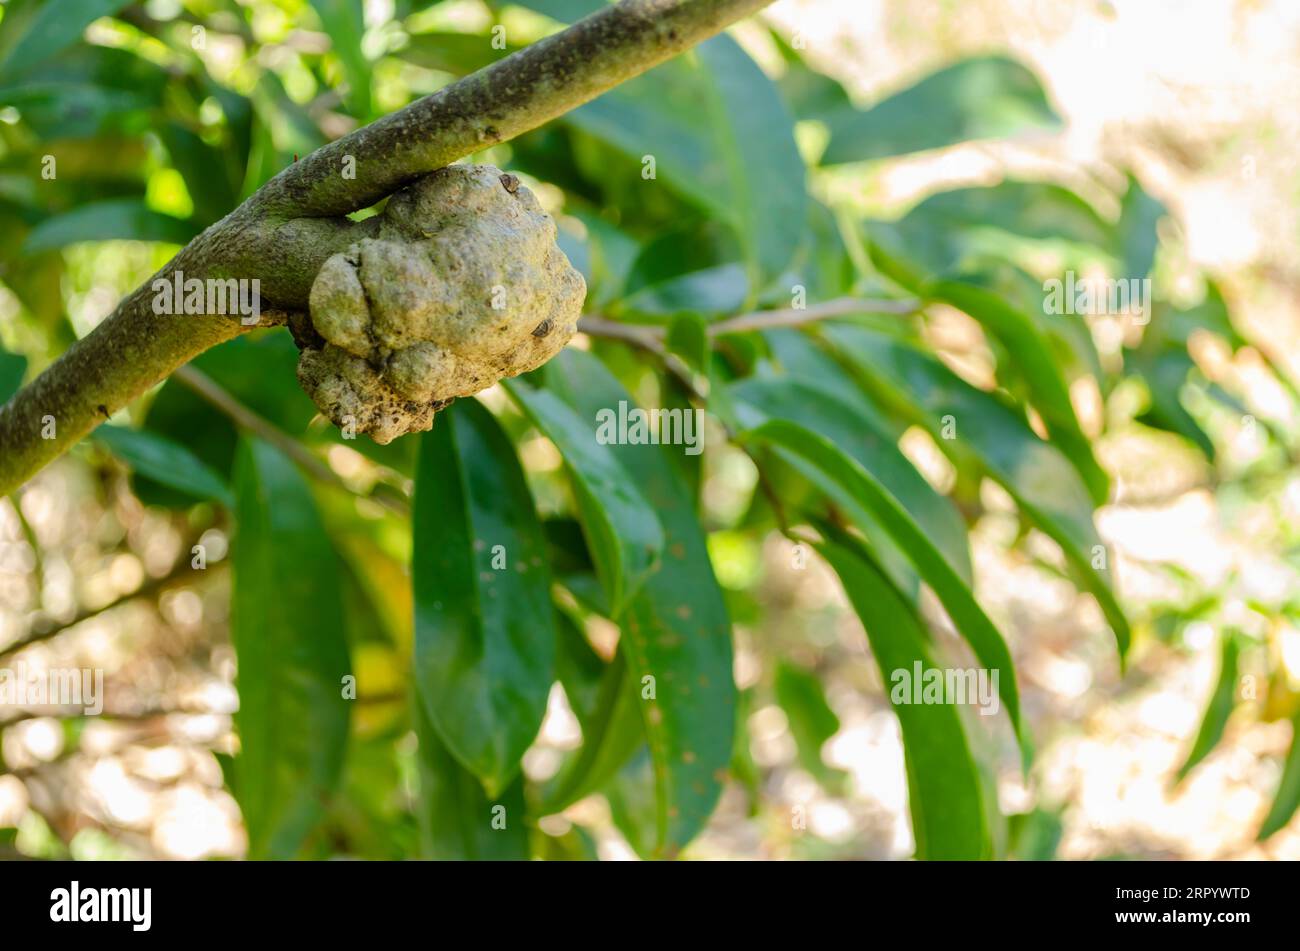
(462, 285)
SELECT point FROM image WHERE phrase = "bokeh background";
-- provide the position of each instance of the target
(1199, 100)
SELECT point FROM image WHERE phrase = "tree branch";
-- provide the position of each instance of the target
(288, 228)
(643, 335)
(243, 417)
(840, 307)
(181, 573)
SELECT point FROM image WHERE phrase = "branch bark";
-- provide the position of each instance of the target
(284, 232)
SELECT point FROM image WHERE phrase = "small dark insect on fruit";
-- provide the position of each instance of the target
(103, 410)
(510, 183)
(542, 329)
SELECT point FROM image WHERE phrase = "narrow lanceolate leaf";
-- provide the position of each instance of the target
(982, 98)
(623, 532)
(13, 367)
(948, 816)
(676, 632)
(205, 170)
(1218, 709)
(1135, 232)
(1034, 362)
(842, 418)
(1165, 369)
(963, 419)
(611, 722)
(834, 471)
(955, 230)
(166, 462)
(484, 634)
(287, 625)
(344, 21)
(34, 30)
(457, 821)
(126, 218)
(721, 137)
(812, 721)
(579, 668)
(1288, 791)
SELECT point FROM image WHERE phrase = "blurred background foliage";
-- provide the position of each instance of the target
(308, 648)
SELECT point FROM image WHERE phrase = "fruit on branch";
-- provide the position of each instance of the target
(461, 286)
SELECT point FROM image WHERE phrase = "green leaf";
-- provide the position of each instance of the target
(165, 461)
(345, 22)
(580, 670)
(257, 372)
(960, 230)
(846, 420)
(988, 97)
(612, 253)
(85, 91)
(676, 630)
(66, 110)
(204, 169)
(714, 291)
(564, 11)
(287, 628)
(1165, 368)
(1288, 790)
(13, 367)
(106, 220)
(458, 822)
(1034, 836)
(623, 532)
(1136, 230)
(34, 30)
(1032, 360)
(835, 469)
(986, 431)
(688, 337)
(722, 138)
(1217, 711)
(812, 721)
(948, 817)
(484, 641)
(633, 805)
(456, 53)
(1176, 325)
(283, 129)
(811, 95)
(612, 730)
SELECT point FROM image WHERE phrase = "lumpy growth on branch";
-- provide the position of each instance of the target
(461, 286)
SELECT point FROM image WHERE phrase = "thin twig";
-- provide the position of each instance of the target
(29, 533)
(797, 317)
(155, 713)
(245, 418)
(647, 335)
(650, 340)
(180, 574)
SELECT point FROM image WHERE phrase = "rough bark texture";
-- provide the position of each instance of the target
(463, 285)
(286, 231)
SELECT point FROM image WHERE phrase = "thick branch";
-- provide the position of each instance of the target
(273, 238)
(510, 97)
